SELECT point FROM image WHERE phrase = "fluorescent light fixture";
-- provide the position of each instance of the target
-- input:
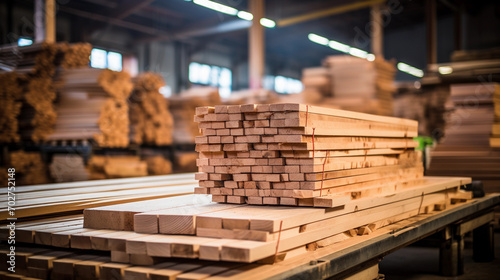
(24, 42)
(267, 23)
(358, 53)
(370, 57)
(217, 7)
(318, 39)
(445, 70)
(338, 46)
(403, 67)
(245, 15)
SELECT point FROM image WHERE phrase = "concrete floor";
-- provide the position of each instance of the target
(419, 263)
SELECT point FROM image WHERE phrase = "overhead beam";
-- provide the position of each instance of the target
(129, 7)
(328, 12)
(200, 31)
(114, 21)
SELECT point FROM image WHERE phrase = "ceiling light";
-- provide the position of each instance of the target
(358, 53)
(267, 23)
(339, 46)
(445, 70)
(245, 15)
(318, 39)
(403, 67)
(217, 7)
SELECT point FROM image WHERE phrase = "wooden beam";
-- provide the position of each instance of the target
(377, 31)
(328, 12)
(431, 31)
(50, 21)
(256, 50)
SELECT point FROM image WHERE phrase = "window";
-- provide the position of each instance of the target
(103, 59)
(282, 84)
(211, 75)
(24, 42)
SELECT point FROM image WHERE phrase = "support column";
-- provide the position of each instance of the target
(377, 31)
(483, 247)
(39, 21)
(50, 21)
(45, 21)
(431, 31)
(256, 45)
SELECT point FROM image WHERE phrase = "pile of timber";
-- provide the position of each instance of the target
(294, 154)
(11, 94)
(108, 167)
(182, 107)
(468, 147)
(193, 227)
(30, 168)
(185, 161)
(35, 200)
(68, 168)
(35, 67)
(352, 84)
(93, 105)
(256, 96)
(83, 253)
(158, 165)
(150, 119)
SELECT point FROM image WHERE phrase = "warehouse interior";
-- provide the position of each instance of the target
(250, 139)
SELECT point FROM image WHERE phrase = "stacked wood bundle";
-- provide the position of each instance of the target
(36, 67)
(64, 197)
(294, 154)
(425, 105)
(255, 96)
(30, 168)
(158, 165)
(247, 233)
(107, 167)
(182, 107)
(468, 145)
(352, 84)
(150, 118)
(68, 168)
(74, 249)
(93, 105)
(185, 161)
(10, 107)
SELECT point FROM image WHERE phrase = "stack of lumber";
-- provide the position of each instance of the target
(352, 83)
(192, 227)
(93, 105)
(425, 105)
(182, 107)
(158, 165)
(32, 86)
(29, 166)
(11, 94)
(256, 96)
(77, 252)
(68, 168)
(150, 119)
(65, 197)
(108, 167)
(185, 161)
(468, 145)
(294, 154)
